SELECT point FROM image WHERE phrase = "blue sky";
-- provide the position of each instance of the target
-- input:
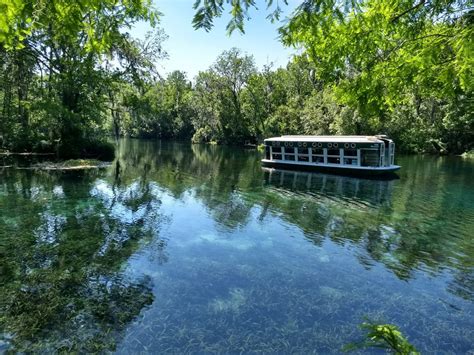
(195, 50)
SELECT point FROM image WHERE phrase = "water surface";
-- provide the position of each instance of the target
(190, 248)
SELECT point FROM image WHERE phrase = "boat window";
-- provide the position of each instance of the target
(350, 152)
(267, 152)
(276, 149)
(350, 161)
(318, 151)
(332, 160)
(276, 156)
(289, 150)
(333, 152)
(318, 160)
(303, 154)
(369, 157)
(290, 157)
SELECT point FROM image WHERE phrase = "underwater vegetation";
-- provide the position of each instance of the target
(62, 251)
(190, 248)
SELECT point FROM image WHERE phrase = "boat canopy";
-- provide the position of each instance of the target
(335, 152)
(324, 139)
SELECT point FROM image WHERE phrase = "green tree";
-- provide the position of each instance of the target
(59, 92)
(384, 58)
(224, 84)
(178, 95)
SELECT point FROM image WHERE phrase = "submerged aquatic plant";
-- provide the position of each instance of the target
(233, 303)
(384, 336)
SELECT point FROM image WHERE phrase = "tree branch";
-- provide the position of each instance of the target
(414, 7)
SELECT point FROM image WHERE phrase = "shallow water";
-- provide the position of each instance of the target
(188, 248)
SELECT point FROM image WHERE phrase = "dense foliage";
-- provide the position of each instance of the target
(404, 67)
(71, 75)
(234, 103)
(58, 63)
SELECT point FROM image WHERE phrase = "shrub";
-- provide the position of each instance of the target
(202, 135)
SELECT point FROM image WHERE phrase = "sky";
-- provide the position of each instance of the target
(192, 50)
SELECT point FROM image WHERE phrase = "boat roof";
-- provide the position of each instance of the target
(342, 139)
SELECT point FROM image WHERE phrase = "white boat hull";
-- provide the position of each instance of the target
(334, 168)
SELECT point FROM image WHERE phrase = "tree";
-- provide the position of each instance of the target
(62, 82)
(159, 109)
(381, 58)
(377, 53)
(207, 106)
(178, 91)
(96, 22)
(224, 84)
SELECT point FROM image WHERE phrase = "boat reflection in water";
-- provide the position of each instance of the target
(335, 187)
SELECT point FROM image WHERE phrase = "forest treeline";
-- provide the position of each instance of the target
(71, 76)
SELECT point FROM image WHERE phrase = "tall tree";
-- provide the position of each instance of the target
(383, 58)
(223, 85)
(63, 44)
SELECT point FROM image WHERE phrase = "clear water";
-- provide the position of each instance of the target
(188, 248)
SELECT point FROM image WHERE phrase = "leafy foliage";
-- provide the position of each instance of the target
(403, 67)
(384, 336)
(207, 10)
(378, 53)
(97, 22)
(58, 61)
(225, 82)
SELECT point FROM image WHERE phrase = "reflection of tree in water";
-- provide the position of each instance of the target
(463, 283)
(62, 288)
(405, 224)
(396, 224)
(222, 193)
(214, 174)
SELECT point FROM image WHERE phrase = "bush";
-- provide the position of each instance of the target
(202, 135)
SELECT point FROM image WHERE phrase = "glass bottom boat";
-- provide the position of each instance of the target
(353, 155)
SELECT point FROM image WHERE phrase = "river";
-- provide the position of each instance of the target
(191, 248)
